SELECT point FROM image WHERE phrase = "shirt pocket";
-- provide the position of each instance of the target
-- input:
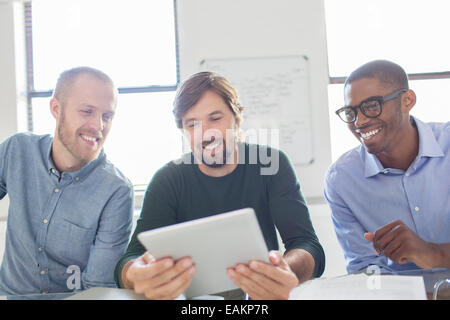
(69, 243)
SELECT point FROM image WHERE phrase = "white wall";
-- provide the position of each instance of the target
(211, 29)
(10, 96)
(12, 83)
(8, 118)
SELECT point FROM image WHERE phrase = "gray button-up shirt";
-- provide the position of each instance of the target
(64, 231)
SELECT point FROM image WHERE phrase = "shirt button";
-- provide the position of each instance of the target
(386, 171)
(45, 221)
(56, 190)
(43, 272)
(407, 174)
(77, 178)
(40, 249)
(417, 209)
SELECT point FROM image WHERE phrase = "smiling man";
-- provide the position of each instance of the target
(390, 197)
(219, 175)
(70, 212)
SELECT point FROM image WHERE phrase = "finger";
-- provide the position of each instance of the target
(253, 289)
(399, 255)
(173, 288)
(277, 259)
(369, 236)
(148, 258)
(169, 274)
(385, 229)
(271, 283)
(281, 274)
(391, 247)
(139, 270)
(387, 238)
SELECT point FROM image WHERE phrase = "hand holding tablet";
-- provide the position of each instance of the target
(197, 253)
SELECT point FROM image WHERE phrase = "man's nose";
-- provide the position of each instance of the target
(97, 122)
(361, 119)
(210, 133)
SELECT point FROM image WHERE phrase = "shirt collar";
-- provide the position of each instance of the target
(76, 175)
(428, 147)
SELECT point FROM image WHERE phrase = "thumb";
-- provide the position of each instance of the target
(276, 258)
(369, 236)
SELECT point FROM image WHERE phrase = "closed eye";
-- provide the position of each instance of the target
(108, 117)
(193, 124)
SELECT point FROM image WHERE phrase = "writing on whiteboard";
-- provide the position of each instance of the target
(275, 94)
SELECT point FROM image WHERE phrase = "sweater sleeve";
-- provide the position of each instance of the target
(290, 213)
(158, 210)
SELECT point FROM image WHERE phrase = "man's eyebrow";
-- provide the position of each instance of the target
(87, 105)
(218, 112)
(189, 119)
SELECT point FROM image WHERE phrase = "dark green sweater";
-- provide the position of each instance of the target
(181, 192)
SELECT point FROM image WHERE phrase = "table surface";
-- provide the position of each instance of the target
(430, 277)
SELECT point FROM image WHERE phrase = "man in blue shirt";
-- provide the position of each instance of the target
(70, 212)
(390, 197)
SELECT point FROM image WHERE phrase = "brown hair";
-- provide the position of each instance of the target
(192, 89)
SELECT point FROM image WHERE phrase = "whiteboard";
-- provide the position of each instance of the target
(275, 93)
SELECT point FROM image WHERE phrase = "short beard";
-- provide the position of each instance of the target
(224, 158)
(66, 141)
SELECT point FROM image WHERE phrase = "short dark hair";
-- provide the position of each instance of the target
(192, 89)
(68, 77)
(387, 72)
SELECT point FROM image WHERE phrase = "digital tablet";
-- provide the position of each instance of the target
(214, 243)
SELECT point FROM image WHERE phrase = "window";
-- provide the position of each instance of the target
(134, 42)
(408, 32)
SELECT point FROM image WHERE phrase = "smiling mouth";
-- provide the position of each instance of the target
(369, 134)
(211, 146)
(89, 139)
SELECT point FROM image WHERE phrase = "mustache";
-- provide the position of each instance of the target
(210, 140)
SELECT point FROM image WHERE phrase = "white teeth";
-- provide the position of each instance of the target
(369, 134)
(212, 145)
(89, 138)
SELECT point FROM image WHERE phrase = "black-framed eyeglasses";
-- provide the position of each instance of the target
(371, 107)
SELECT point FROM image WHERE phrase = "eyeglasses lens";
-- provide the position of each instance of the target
(371, 108)
(347, 115)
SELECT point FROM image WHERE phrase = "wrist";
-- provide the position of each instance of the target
(125, 282)
(438, 256)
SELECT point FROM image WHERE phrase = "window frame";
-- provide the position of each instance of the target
(32, 93)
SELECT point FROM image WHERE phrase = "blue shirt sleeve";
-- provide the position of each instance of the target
(3, 147)
(111, 240)
(359, 253)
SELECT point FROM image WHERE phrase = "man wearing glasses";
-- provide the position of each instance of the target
(390, 196)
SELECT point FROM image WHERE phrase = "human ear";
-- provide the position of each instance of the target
(55, 108)
(408, 100)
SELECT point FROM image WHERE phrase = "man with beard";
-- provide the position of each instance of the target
(390, 197)
(219, 175)
(70, 212)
